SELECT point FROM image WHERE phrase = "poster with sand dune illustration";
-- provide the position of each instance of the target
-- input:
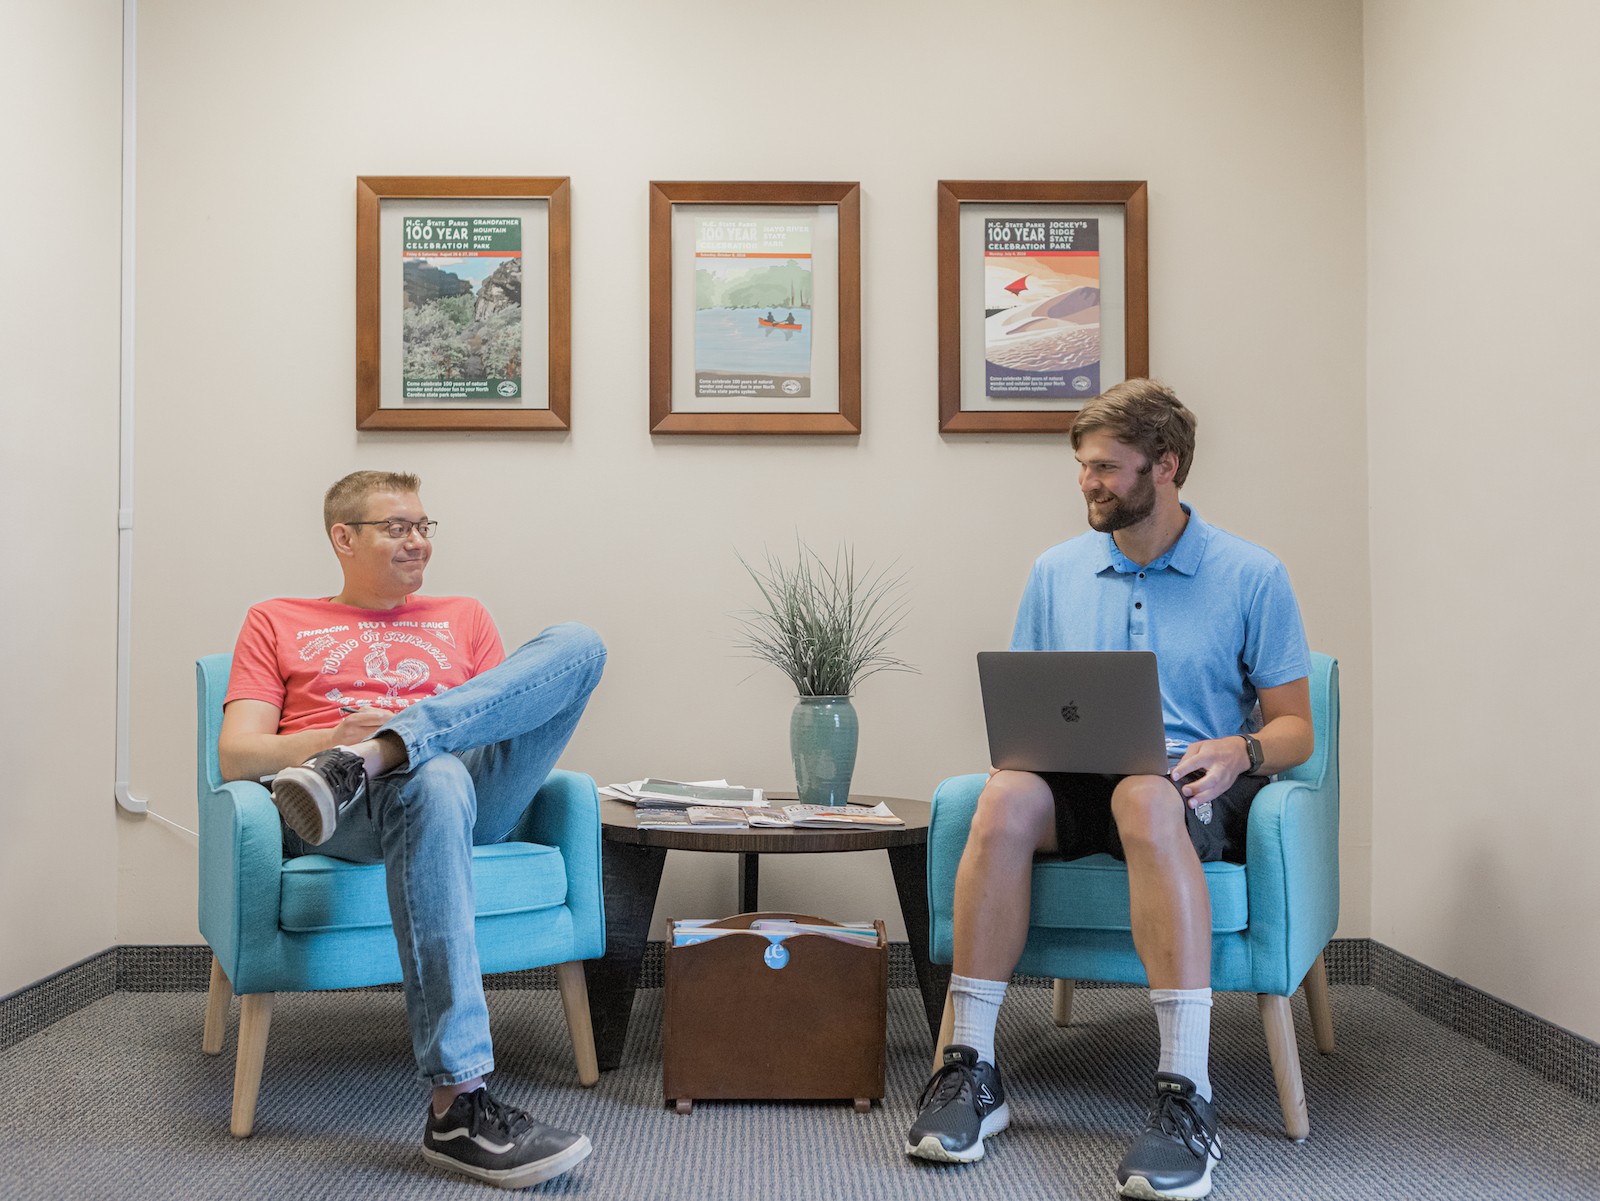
(1041, 297)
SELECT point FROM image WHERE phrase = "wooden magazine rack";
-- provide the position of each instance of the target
(814, 1029)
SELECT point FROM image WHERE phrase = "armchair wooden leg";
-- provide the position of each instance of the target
(217, 1000)
(255, 1022)
(1278, 1021)
(1061, 1003)
(575, 1000)
(1316, 984)
(947, 1030)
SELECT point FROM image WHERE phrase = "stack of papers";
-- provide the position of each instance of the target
(804, 817)
(826, 817)
(679, 794)
(695, 817)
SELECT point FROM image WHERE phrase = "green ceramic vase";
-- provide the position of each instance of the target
(822, 738)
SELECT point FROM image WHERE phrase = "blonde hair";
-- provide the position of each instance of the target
(343, 501)
(1146, 415)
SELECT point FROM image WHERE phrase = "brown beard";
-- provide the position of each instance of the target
(1124, 511)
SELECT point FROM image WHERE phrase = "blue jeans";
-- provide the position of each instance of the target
(475, 756)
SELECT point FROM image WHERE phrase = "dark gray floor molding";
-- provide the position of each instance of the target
(1560, 1056)
(29, 1010)
(1557, 1054)
(163, 968)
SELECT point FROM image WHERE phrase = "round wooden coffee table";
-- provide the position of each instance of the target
(632, 861)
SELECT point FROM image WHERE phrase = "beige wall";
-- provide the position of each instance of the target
(1245, 117)
(1483, 255)
(59, 206)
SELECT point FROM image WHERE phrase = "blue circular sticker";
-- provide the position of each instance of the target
(776, 955)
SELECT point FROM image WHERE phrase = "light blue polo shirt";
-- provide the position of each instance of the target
(1217, 611)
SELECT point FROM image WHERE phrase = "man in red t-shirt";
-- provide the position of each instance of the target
(400, 732)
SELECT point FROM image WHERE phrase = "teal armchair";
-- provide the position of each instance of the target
(315, 922)
(1271, 917)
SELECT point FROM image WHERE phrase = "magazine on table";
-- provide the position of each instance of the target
(651, 816)
(825, 817)
(683, 794)
(695, 817)
(718, 805)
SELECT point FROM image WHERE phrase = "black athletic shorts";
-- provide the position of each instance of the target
(1084, 825)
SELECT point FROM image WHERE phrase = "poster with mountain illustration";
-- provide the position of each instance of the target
(752, 320)
(1041, 299)
(463, 308)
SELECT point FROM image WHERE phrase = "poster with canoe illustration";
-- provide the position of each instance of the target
(462, 322)
(752, 321)
(1041, 286)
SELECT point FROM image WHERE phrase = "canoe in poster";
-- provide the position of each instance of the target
(462, 324)
(1041, 287)
(752, 321)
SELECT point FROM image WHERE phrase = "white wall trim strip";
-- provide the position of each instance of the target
(130, 45)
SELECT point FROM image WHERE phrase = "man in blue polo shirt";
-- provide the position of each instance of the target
(1223, 622)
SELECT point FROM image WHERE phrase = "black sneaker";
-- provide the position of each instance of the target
(963, 1103)
(313, 796)
(1174, 1155)
(499, 1143)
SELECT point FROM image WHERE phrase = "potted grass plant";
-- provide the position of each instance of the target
(827, 627)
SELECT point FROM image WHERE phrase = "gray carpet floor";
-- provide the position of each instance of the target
(116, 1101)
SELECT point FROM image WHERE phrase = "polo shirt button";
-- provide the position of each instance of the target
(1141, 575)
(1138, 604)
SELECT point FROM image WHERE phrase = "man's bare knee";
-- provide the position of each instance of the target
(1148, 811)
(1015, 810)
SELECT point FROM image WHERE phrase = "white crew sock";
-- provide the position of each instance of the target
(370, 753)
(377, 755)
(977, 1008)
(1184, 1017)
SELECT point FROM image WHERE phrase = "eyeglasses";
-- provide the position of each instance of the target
(398, 527)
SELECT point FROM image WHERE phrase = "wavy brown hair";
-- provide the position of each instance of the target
(1146, 415)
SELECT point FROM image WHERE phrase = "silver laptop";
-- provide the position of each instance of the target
(1089, 711)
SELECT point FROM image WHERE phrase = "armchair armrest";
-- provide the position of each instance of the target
(565, 813)
(954, 803)
(1292, 856)
(241, 860)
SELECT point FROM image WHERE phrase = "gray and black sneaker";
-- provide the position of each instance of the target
(499, 1143)
(962, 1104)
(1175, 1153)
(313, 796)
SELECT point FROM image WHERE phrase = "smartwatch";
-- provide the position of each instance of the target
(1252, 744)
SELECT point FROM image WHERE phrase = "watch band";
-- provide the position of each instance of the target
(1252, 746)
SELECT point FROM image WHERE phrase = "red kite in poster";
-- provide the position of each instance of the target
(1017, 288)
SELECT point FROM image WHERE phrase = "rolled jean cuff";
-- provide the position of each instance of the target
(440, 1079)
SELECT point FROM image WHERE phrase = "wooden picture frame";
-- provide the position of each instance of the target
(965, 375)
(683, 396)
(540, 396)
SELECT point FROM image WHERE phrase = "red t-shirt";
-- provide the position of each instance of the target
(315, 660)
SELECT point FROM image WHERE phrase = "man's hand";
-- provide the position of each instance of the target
(249, 745)
(1221, 760)
(359, 726)
(1285, 736)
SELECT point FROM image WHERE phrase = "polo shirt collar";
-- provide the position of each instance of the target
(1183, 557)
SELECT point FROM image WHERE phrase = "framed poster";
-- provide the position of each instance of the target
(1043, 300)
(755, 308)
(463, 303)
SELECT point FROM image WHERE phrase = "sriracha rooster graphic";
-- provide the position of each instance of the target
(408, 673)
